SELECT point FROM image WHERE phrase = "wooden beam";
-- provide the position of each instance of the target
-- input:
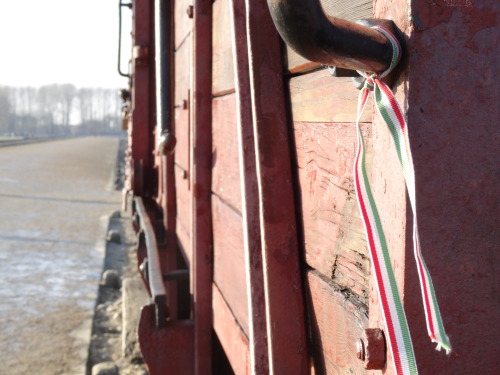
(280, 255)
(201, 170)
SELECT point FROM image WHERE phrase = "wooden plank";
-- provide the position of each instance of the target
(229, 260)
(257, 321)
(182, 134)
(201, 190)
(225, 160)
(280, 254)
(183, 24)
(319, 97)
(334, 239)
(233, 340)
(184, 214)
(350, 10)
(222, 58)
(183, 60)
(336, 324)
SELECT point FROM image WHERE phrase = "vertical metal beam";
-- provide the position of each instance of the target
(141, 129)
(282, 274)
(165, 135)
(164, 50)
(202, 178)
(259, 360)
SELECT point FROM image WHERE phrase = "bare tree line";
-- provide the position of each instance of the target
(58, 110)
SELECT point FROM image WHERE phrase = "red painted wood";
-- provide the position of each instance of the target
(183, 24)
(336, 323)
(285, 309)
(333, 234)
(202, 165)
(232, 338)
(225, 159)
(229, 259)
(222, 60)
(319, 97)
(257, 332)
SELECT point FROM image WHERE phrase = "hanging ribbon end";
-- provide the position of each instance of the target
(442, 345)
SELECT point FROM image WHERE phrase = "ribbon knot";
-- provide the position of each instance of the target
(394, 316)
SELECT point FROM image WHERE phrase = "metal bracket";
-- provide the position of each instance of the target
(331, 41)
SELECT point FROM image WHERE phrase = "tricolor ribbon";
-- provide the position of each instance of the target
(394, 316)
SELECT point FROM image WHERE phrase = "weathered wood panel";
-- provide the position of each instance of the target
(285, 313)
(229, 259)
(319, 97)
(225, 156)
(351, 10)
(222, 52)
(182, 134)
(183, 60)
(336, 324)
(232, 338)
(183, 24)
(334, 240)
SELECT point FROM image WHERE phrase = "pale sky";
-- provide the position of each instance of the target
(61, 41)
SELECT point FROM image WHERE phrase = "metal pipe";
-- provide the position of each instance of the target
(163, 69)
(307, 29)
(120, 5)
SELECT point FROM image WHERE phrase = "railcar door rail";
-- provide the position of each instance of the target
(120, 5)
(153, 273)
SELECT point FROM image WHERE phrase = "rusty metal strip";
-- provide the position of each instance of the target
(259, 360)
(201, 188)
(154, 273)
(282, 274)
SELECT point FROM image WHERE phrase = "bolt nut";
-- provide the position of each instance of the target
(190, 11)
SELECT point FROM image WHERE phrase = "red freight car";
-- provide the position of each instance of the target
(241, 171)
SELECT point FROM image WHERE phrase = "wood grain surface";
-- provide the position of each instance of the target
(334, 240)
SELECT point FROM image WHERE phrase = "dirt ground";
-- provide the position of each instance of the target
(54, 197)
(106, 343)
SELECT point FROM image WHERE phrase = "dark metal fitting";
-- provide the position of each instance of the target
(166, 143)
(181, 274)
(140, 54)
(128, 5)
(144, 269)
(184, 104)
(340, 72)
(371, 349)
(190, 11)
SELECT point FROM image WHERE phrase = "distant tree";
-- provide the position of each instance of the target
(67, 94)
